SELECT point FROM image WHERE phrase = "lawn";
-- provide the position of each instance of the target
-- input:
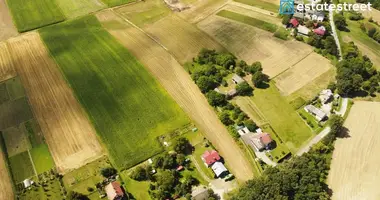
(42, 158)
(29, 15)
(248, 20)
(21, 166)
(261, 4)
(285, 121)
(75, 8)
(52, 190)
(112, 3)
(139, 189)
(125, 103)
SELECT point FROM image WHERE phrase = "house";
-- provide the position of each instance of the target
(319, 114)
(294, 22)
(210, 157)
(219, 169)
(325, 95)
(237, 79)
(320, 30)
(114, 191)
(27, 183)
(258, 142)
(200, 193)
(303, 30)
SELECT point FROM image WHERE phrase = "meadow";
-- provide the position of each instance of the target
(42, 158)
(127, 107)
(29, 15)
(285, 121)
(112, 3)
(261, 4)
(22, 166)
(75, 8)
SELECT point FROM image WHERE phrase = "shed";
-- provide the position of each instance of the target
(219, 169)
(237, 79)
(303, 30)
(318, 113)
(28, 183)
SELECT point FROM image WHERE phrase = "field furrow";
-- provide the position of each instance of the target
(68, 133)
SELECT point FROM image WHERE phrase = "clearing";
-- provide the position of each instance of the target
(7, 28)
(75, 8)
(126, 105)
(71, 138)
(180, 86)
(303, 72)
(29, 15)
(183, 39)
(253, 44)
(354, 172)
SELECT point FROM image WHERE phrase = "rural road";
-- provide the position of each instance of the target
(334, 34)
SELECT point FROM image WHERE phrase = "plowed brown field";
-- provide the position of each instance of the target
(179, 85)
(71, 138)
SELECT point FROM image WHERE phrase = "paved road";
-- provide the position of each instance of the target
(314, 141)
(334, 34)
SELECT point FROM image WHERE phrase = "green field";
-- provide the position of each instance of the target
(21, 166)
(75, 8)
(261, 4)
(42, 158)
(15, 89)
(34, 134)
(248, 20)
(4, 96)
(29, 15)
(112, 3)
(124, 102)
(289, 126)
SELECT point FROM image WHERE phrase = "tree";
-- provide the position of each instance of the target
(336, 124)
(169, 162)
(225, 118)
(76, 196)
(205, 83)
(258, 78)
(340, 22)
(330, 46)
(371, 32)
(139, 174)
(216, 99)
(286, 19)
(108, 172)
(251, 125)
(206, 56)
(182, 146)
(158, 161)
(239, 71)
(255, 67)
(181, 159)
(225, 60)
(166, 180)
(244, 89)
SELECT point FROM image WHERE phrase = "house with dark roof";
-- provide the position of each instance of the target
(114, 191)
(210, 157)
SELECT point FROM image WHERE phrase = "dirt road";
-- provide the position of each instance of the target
(178, 83)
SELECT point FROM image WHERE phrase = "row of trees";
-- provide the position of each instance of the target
(371, 30)
(301, 178)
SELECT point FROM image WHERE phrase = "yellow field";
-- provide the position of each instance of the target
(302, 73)
(375, 14)
(201, 9)
(355, 168)
(178, 83)
(71, 139)
(252, 44)
(7, 69)
(7, 28)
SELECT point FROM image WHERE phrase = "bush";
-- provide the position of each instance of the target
(108, 172)
(244, 89)
(216, 99)
(182, 146)
(139, 174)
(281, 33)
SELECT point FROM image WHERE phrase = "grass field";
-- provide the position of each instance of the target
(266, 5)
(116, 96)
(29, 15)
(144, 12)
(248, 20)
(42, 158)
(21, 166)
(75, 8)
(282, 117)
(178, 83)
(253, 44)
(354, 166)
(112, 3)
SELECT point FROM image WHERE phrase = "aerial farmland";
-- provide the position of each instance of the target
(183, 99)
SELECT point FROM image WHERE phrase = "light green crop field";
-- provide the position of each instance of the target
(21, 166)
(125, 103)
(261, 4)
(282, 117)
(29, 15)
(42, 158)
(75, 8)
(248, 20)
(112, 3)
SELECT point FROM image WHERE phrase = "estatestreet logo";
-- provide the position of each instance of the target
(287, 7)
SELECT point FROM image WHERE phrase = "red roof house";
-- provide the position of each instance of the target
(114, 191)
(266, 139)
(294, 22)
(320, 31)
(210, 157)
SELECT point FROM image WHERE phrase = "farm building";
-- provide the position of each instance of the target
(303, 30)
(219, 169)
(237, 79)
(319, 114)
(258, 142)
(27, 183)
(325, 95)
(114, 191)
(210, 157)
